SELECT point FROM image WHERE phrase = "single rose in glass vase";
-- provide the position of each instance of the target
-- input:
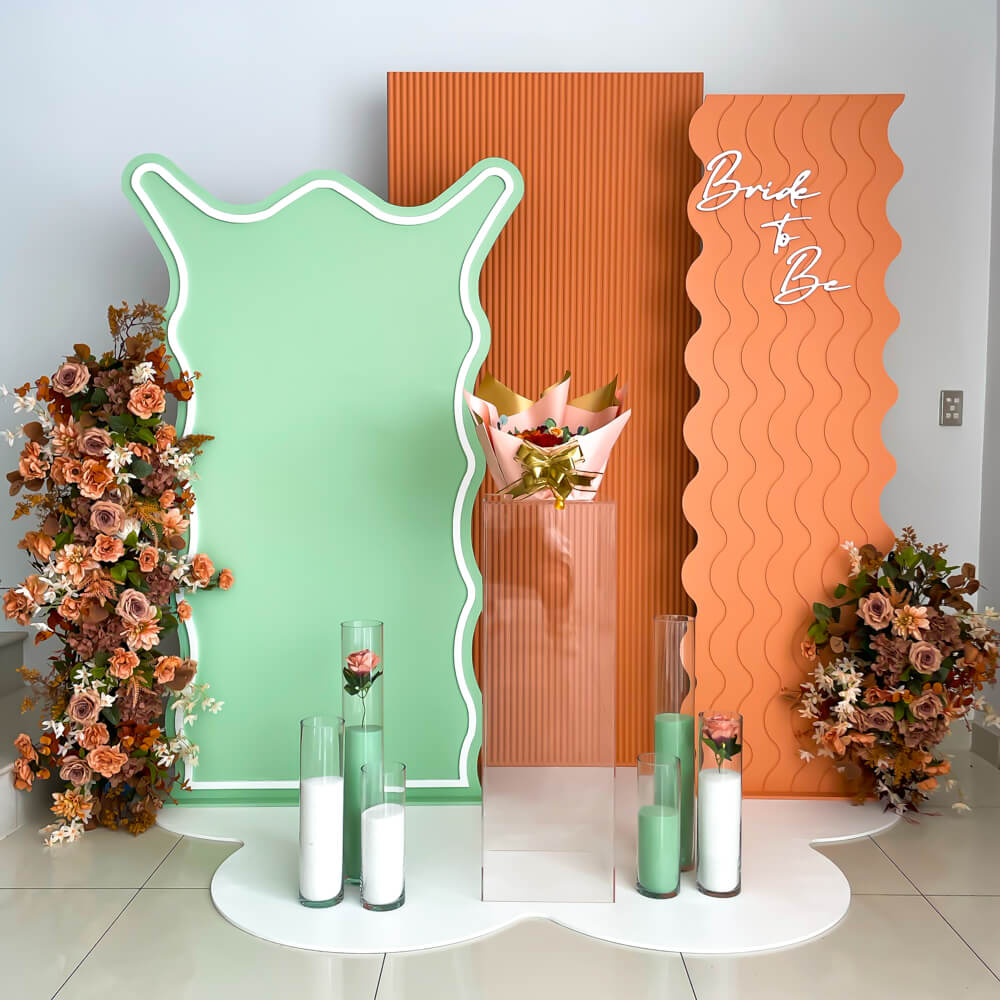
(720, 803)
(360, 673)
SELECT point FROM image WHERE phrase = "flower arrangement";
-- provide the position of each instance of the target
(894, 664)
(720, 733)
(107, 479)
(531, 448)
(360, 673)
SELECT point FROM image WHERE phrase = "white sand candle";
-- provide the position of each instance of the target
(321, 837)
(382, 853)
(720, 797)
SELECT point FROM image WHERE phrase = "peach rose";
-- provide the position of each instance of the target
(24, 746)
(808, 649)
(721, 727)
(226, 579)
(94, 736)
(166, 667)
(925, 657)
(837, 645)
(123, 663)
(75, 771)
(32, 465)
(17, 607)
(875, 610)
(202, 567)
(38, 543)
(183, 675)
(94, 442)
(134, 607)
(107, 761)
(167, 498)
(70, 378)
(107, 517)
(165, 435)
(148, 559)
(84, 707)
(108, 548)
(173, 521)
(183, 611)
(23, 775)
(96, 478)
(146, 399)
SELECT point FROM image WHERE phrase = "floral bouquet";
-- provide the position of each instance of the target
(108, 481)
(552, 447)
(899, 659)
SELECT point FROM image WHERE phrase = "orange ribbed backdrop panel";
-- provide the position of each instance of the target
(588, 275)
(787, 428)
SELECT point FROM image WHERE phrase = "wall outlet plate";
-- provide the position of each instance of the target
(952, 405)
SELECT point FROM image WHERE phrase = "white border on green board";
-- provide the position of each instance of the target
(465, 291)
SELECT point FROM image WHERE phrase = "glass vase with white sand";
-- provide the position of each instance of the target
(720, 802)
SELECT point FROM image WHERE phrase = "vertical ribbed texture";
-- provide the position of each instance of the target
(787, 428)
(547, 635)
(588, 275)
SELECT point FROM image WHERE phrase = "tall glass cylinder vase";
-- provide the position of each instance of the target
(321, 810)
(720, 802)
(363, 671)
(673, 657)
(383, 836)
(658, 840)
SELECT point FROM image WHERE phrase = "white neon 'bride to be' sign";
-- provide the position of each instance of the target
(721, 187)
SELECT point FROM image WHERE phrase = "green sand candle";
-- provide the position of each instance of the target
(659, 850)
(674, 737)
(362, 745)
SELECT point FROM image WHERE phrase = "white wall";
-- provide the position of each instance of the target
(245, 96)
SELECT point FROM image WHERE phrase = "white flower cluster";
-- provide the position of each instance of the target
(63, 833)
(840, 680)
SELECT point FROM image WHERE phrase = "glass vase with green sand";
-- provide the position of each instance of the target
(363, 670)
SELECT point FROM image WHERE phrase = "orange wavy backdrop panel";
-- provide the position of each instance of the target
(588, 275)
(792, 394)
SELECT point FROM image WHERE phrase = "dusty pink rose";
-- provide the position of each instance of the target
(364, 661)
(94, 736)
(108, 548)
(107, 517)
(84, 707)
(881, 717)
(875, 610)
(925, 657)
(70, 378)
(94, 442)
(146, 399)
(24, 746)
(928, 706)
(134, 607)
(75, 771)
(107, 761)
(123, 663)
(720, 727)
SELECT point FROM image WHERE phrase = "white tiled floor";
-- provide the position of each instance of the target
(115, 915)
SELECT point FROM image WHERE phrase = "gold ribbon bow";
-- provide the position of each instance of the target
(549, 469)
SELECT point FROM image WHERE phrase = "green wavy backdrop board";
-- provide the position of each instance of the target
(335, 334)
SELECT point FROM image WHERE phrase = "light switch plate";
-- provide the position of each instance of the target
(952, 405)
